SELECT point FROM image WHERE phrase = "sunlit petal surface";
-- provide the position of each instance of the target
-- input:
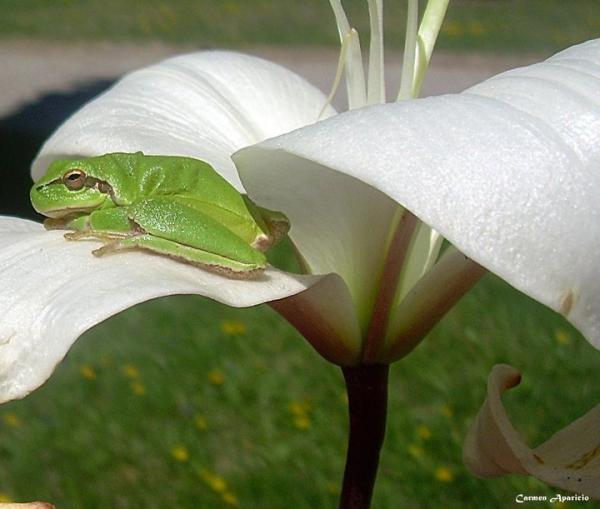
(508, 172)
(204, 105)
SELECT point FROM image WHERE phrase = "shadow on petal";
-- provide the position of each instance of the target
(324, 315)
(569, 460)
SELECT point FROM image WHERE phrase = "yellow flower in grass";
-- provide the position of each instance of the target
(214, 481)
(180, 453)
(130, 371)
(233, 327)
(333, 488)
(562, 337)
(299, 408)
(230, 499)
(444, 474)
(200, 422)
(216, 377)
(87, 372)
(446, 410)
(302, 422)
(13, 420)
(424, 432)
(416, 451)
(138, 388)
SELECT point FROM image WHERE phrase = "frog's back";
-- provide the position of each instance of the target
(176, 176)
(135, 176)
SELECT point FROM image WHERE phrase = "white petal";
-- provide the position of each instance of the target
(338, 224)
(569, 460)
(54, 290)
(324, 315)
(513, 186)
(204, 105)
(563, 83)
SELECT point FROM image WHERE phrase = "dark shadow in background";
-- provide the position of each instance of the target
(21, 136)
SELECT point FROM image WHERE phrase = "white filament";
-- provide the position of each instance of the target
(338, 74)
(355, 75)
(410, 49)
(376, 81)
(433, 17)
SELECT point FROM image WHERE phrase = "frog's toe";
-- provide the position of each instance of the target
(110, 247)
(78, 235)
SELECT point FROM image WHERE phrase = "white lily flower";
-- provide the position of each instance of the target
(506, 171)
(204, 105)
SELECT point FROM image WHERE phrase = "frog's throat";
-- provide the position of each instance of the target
(69, 212)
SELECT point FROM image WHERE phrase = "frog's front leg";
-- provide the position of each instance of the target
(67, 222)
(104, 224)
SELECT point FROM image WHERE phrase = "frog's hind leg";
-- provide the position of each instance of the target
(275, 225)
(176, 230)
(209, 261)
(96, 235)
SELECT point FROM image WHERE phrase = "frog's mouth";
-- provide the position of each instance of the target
(66, 202)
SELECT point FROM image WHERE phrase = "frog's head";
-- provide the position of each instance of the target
(69, 187)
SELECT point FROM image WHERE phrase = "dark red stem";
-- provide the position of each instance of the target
(367, 405)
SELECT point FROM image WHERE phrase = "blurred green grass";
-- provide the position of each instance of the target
(490, 25)
(185, 403)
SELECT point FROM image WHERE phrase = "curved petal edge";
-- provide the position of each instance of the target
(569, 460)
(54, 290)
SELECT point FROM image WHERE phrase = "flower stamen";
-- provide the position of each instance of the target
(429, 300)
(392, 269)
(433, 17)
(376, 80)
(338, 73)
(355, 75)
(410, 50)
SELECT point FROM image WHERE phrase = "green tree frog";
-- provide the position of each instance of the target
(175, 206)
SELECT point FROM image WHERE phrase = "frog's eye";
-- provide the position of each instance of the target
(74, 179)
